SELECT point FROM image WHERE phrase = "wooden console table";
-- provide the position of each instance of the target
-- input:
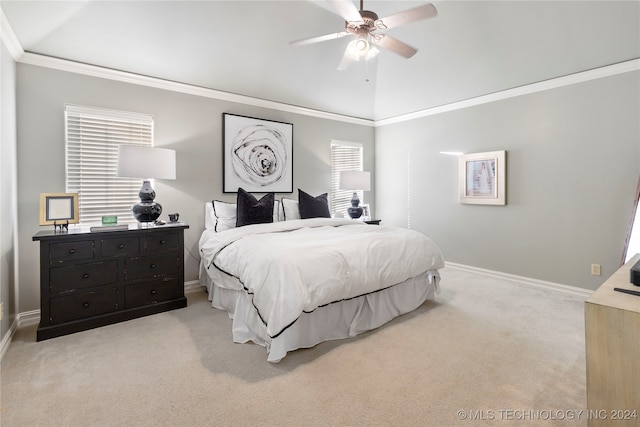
(612, 339)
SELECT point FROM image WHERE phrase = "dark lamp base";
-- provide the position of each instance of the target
(354, 213)
(146, 211)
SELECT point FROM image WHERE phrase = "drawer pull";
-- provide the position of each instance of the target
(162, 242)
(153, 291)
(152, 266)
(85, 304)
(72, 251)
(85, 276)
(121, 246)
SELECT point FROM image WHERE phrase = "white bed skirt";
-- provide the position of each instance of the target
(334, 321)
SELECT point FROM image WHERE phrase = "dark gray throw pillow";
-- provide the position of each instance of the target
(253, 211)
(313, 207)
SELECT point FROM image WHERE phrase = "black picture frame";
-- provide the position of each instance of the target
(257, 155)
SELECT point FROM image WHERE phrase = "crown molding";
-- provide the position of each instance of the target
(106, 73)
(9, 38)
(137, 79)
(581, 77)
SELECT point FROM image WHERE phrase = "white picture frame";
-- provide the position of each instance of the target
(482, 178)
(366, 212)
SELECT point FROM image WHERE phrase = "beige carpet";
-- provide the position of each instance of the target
(487, 352)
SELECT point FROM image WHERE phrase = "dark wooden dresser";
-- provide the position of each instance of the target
(91, 279)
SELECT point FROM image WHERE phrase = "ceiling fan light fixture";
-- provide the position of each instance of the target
(361, 48)
(358, 48)
(372, 53)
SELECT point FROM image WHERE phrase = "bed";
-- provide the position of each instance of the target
(294, 283)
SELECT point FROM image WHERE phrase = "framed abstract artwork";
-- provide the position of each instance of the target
(258, 155)
(482, 178)
(58, 208)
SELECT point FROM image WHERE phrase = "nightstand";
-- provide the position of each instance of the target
(91, 279)
(372, 221)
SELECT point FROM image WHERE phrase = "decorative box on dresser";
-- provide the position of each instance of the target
(91, 279)
(612, 338)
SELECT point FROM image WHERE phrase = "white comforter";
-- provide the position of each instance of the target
(296, 266)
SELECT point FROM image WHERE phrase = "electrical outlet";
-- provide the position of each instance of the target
(595, 269)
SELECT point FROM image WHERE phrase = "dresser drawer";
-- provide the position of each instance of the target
(83, 305)
(162, 242)
(68, 278)
(71, 251)
(151, 266)
(152, 292)
(120, 246)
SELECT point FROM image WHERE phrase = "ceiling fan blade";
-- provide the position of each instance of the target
(318, 39)
(347, 10)
(394, 45)
(412, 15)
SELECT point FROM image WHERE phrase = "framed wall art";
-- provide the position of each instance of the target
(258, 155)
(482, 178)
(58, 208)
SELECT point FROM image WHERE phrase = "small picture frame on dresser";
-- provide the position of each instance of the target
(366, 212)
(57, 208)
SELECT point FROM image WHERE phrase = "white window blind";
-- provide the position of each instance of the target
(345, 156)
(92, 139)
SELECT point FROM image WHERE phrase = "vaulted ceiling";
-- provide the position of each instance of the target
(472, 48)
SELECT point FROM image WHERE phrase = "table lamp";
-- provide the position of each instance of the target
(355, 180)
(147, 163)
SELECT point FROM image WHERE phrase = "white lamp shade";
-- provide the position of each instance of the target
(355, 180)
(146, 162)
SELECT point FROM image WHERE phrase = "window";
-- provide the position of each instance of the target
(345, 156)
(92, 139)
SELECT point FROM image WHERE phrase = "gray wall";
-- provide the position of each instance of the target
(8, 222)
(573, 159)
(191, 125)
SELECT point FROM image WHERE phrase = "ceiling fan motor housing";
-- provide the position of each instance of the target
(369, 19)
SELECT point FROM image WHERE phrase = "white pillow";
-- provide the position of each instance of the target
(209, 217)
(224, 214)
(291, 209)
(221, 216)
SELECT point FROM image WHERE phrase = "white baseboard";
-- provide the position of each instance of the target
(6, 340)
(28, 318)
(527, 281)
(193, 286)
(22, 319)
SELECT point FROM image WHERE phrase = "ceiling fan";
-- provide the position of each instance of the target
(364, 25)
